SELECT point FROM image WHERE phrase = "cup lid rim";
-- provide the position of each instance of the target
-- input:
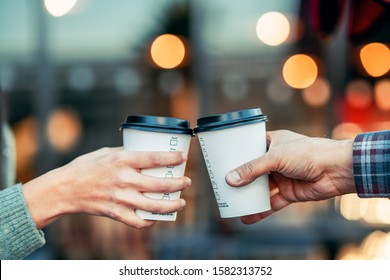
(230, 119)
(158, 124)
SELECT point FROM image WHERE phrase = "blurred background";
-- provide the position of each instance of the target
(72, 70)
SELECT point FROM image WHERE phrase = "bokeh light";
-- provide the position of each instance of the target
(372, 211)
(26, 144)
(168, 51)
(382, 94)
(351, 208)
(346, 130)
(349, 251)
(58, 8)
(127, 81)
(64, 129)
(358, 93)
(81, 78)
(376, 245)
(370, 215)
(300, 71)
(375, 58)
(382, 211)
(317, 94)
(273, 28)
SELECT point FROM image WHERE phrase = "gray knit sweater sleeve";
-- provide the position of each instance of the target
(19, 236)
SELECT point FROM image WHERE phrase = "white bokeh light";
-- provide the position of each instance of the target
(273, 28)
(59, 8)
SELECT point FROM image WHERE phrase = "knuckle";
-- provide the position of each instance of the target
(247, 170)
(274, 158)
(164, 158)
(156, 207)
(164, 207)
(160, 185)
(112, 213)
(170, 184)
(115, 200)
(140, 224)
(155, 158)
(123, 178)
(118, 157)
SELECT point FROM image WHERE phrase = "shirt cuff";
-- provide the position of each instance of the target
(371, 164)
(19, 236)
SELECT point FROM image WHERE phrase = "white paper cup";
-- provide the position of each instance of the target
(227, 141)
(153, 133)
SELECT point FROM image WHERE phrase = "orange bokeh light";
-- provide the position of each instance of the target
(64, 129)
(26, 147)
(318, 94)
(300, 71)
(382, 94)
(358, 93)
(375, 58)
(346, 130)
(168, 51)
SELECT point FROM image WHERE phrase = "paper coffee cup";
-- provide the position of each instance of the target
(227, 141)
(154, 133)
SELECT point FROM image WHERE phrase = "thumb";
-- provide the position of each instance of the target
(249, 171)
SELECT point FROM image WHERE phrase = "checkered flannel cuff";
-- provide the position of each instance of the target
(371, 164)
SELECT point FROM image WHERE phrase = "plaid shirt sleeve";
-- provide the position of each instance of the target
(371, 164)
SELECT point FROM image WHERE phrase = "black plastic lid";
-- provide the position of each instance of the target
(158, 124)
(231, 119)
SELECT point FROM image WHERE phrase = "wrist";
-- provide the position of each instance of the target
(342, 167)
(45, 199)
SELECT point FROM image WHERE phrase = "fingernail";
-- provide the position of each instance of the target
(188, 182)
(184, 156)
(183, 204)
(233, 177)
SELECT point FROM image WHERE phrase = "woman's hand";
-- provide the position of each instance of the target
(106, 182)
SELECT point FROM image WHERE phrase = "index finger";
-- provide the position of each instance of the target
(249, 171)
(148, 159)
